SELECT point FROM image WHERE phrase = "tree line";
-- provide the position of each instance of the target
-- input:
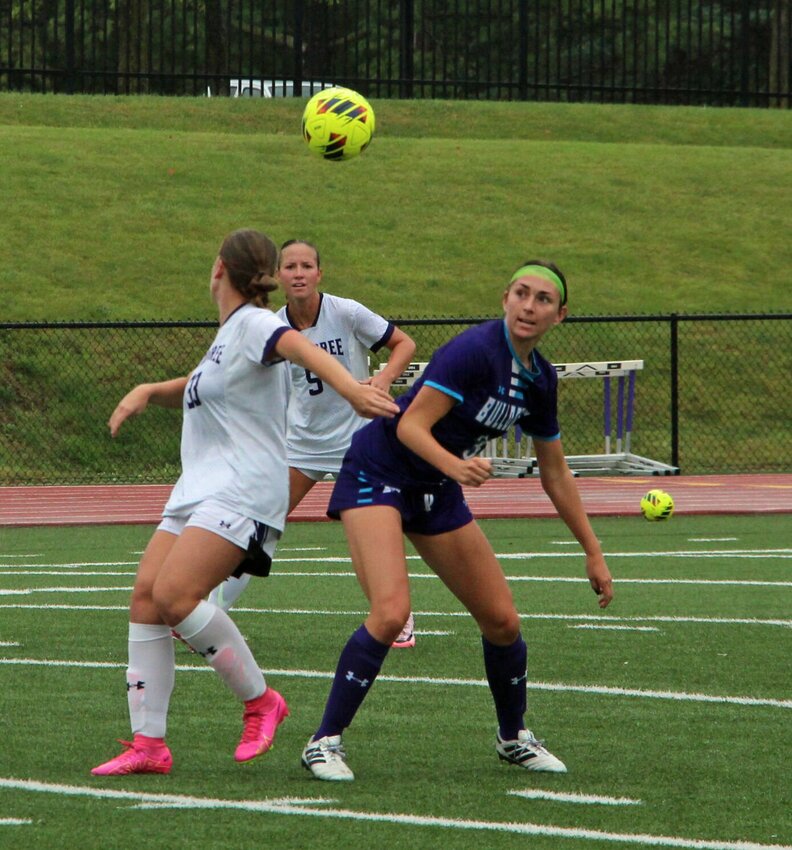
(734, 52)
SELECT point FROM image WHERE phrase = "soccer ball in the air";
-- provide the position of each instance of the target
(338, 123)
(657, 505)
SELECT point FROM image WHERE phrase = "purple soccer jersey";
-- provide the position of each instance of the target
(493, 391)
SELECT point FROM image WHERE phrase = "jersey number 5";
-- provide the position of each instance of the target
(317, 387)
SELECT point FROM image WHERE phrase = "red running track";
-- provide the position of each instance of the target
(498, 498)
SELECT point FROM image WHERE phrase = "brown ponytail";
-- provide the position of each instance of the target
(250, 258)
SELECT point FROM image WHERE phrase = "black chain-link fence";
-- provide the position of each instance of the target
(731, 52)
(713, 396)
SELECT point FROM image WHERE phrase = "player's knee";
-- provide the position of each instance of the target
(502, 628)
(171, 606)
(141, 604)
(388, 621)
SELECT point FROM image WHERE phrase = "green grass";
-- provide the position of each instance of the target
(422, 745)
(117, 205)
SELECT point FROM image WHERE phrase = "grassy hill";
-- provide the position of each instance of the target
(115, 207)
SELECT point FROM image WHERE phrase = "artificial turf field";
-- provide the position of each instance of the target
(671, 709)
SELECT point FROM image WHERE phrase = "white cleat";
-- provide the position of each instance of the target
(326, 759)
(529, 753)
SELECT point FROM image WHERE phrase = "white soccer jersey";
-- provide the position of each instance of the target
(321, 422)
(233, 446)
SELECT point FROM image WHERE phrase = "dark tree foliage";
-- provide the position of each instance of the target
(734, 52)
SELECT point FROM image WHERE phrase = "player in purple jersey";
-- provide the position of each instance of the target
(404, 476)
(228, 507)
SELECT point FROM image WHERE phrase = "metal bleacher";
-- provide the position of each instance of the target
(511, 454)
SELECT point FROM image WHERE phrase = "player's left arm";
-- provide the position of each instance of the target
(561, 487)
(402, 351)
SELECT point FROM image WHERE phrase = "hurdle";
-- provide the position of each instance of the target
(511, 454)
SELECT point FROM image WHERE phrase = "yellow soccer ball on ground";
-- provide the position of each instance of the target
(657, 505)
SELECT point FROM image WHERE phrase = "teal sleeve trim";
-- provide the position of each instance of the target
(547, 439)
(445, 390)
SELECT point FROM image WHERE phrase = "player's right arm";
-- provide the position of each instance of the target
(415, 431)
(162, 393)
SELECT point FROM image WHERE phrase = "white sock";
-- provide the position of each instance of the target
(150, 676)
(227, 592)
(213, 634)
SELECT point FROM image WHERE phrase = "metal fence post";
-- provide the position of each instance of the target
(69, 27)
(522, 49)
(744, 50)
(406, 58)
(297, 71)
(674, 346)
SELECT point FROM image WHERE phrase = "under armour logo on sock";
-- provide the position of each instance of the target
(224, 524)
(516, 680)
(138, 686)
(209, 652)
(351, 677)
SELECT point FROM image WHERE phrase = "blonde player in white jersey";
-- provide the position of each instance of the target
(228, 508)
(321, 423)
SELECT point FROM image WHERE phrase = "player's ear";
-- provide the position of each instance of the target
(218, 270)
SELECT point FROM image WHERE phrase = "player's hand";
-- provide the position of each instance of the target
(472, 472)
(380, 382)
(370, 401)
(600, 579)
(132, 404)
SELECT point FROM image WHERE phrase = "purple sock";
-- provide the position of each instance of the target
(506, 674)
(358, 666)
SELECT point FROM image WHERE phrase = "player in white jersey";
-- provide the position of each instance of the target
(227, 509)
(320, 422)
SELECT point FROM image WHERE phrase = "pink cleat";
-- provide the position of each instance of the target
(262, 717)
(137, 758)
(406, 638)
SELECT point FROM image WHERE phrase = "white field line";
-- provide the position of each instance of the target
(717, 582)
(712, 539)
(559, 687)
(534, 556)
(503, 556)
(15, 822)
(319, 810)
(586, 799)
(9, 643)
(616, 628)
(78, 564)
(718, 621)
(280, 549)
(66, 607)
(28, 590)
(73, 573)
(26, 555)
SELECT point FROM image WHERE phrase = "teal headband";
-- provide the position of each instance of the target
(546, 274)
